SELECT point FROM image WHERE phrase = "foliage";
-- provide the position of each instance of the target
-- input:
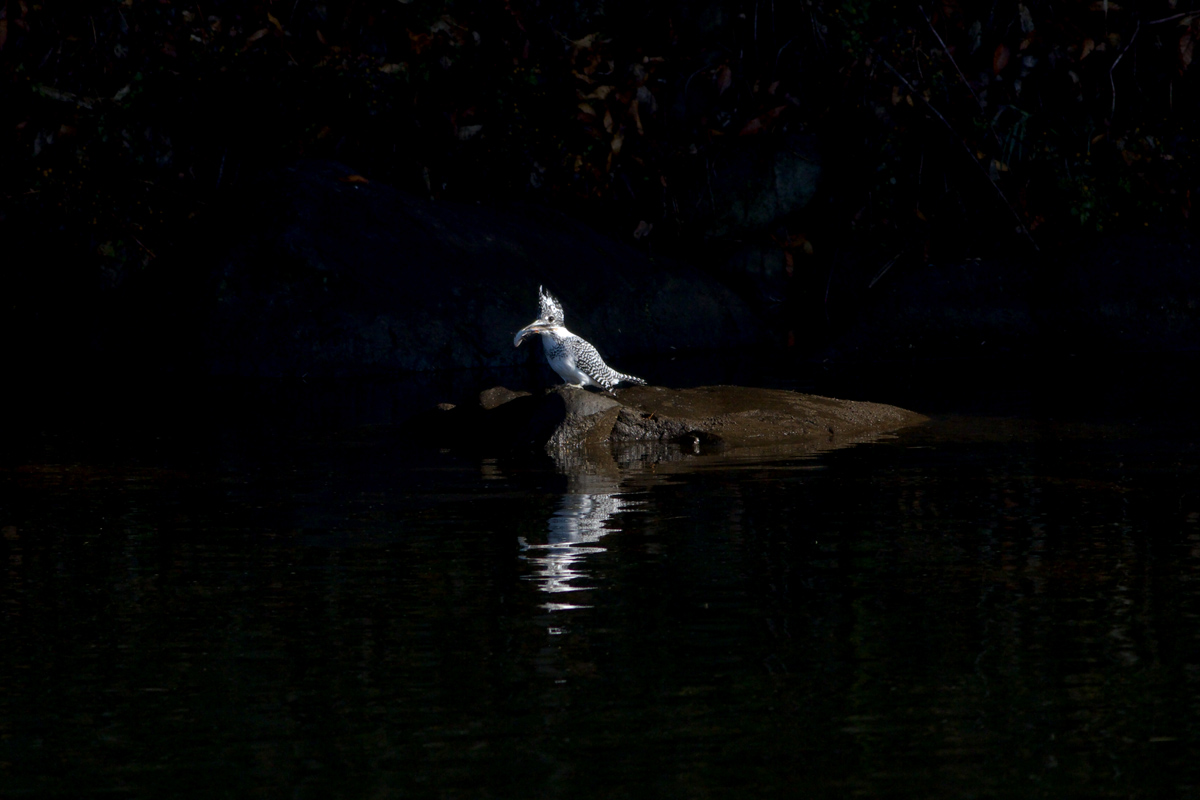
(1082, 113)
(131, 118)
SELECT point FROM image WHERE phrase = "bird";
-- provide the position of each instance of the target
(574, 359)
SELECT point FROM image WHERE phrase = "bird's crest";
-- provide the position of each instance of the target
(551, 309)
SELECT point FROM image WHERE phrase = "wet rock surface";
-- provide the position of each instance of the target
(738, 416)
(706, 417)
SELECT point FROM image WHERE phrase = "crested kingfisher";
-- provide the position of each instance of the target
(573, 358)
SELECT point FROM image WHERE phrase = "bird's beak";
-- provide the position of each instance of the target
(536, 326)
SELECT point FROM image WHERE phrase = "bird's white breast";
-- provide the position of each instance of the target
(562, 360)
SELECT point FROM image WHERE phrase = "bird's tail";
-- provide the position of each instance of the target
(629, 379)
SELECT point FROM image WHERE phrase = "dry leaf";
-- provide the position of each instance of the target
(586, 42)
(760, 123)
(354, 179)
(617, 141)
(419, 41)
(1085, 50)
(275, 22)
(637, 119)
(1026, 18)
(724, 78)
(593, 61)
(646, 100)
(448, 26)
(608, 121)
(258, 34)
(1187, 47)
(796, 242)
(1000, 59)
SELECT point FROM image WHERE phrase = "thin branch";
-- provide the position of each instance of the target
(688, 82)
(147, 249)
(948, 55)
(780, 51)
(883, 271)
(1174, 17)
(1111, 80)
(970, 155)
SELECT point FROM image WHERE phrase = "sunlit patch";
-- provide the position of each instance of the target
(573, 531)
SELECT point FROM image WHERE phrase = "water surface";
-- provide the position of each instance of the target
(1004, 602)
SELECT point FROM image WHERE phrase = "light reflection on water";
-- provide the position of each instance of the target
(593, 501)
(585, 514)
(985, 606)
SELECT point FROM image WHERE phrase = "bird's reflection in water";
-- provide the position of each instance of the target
(583, 517)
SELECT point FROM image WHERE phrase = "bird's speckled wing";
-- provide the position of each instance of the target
(589, 362)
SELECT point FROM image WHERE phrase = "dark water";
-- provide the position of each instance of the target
(243, 600)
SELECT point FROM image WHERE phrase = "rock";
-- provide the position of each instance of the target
(563, 417)
(711, 417)
(575, 417)
(738, 416)
(337, 277)
(497, 396)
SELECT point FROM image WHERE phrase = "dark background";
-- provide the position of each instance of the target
(255, 588)
(135, 134)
